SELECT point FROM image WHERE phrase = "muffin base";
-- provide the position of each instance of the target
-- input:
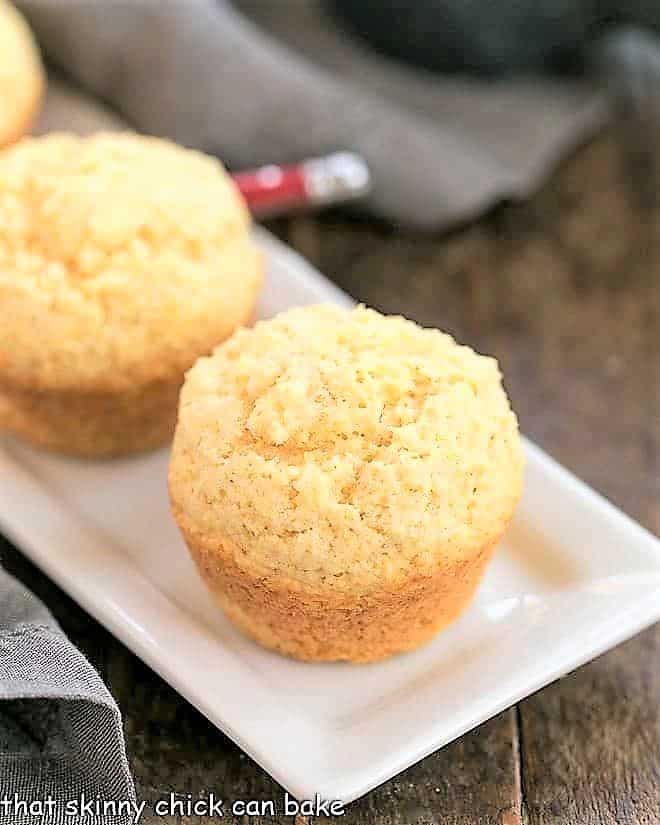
(92, 424)
(313, 626)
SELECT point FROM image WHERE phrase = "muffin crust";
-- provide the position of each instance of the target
(22, 78)
(342, 478)
(122, 259)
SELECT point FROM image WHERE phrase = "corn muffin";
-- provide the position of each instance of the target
(342, 478)
(122, 260)
(22, 79)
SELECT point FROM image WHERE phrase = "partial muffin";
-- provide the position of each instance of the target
(22, 79)
(342, 478)
(122, 260)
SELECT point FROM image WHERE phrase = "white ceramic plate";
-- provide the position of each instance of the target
(574, 577)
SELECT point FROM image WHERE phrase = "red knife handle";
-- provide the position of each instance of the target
(277, 189)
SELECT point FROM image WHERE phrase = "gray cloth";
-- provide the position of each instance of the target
(278, 81)
(60, 730)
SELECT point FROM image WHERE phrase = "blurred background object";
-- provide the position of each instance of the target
(278, 82)
(259, 83)
(276, 190)
(493, 38)
(502, 37)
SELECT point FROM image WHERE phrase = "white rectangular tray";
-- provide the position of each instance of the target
(573, 577)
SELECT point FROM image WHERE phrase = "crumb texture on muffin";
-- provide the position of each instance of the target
(122, 258)
(21, 75)
(345, 452)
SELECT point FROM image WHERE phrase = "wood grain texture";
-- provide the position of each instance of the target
(565, 290)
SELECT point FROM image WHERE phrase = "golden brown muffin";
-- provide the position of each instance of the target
(22, 79)
(341, 479)
(122, 260)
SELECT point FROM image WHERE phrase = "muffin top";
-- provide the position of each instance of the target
(21, 74)
(122, 258)
(346, 449)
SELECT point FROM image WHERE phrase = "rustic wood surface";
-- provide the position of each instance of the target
(565, 290)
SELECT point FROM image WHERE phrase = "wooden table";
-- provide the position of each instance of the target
(565, 290)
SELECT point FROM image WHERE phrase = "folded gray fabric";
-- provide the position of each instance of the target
(60, 730)
(273, 82)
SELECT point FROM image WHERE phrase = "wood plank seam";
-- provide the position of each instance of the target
(515, 815)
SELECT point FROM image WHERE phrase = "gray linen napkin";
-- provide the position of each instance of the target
(273, 82)
(60, 730)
